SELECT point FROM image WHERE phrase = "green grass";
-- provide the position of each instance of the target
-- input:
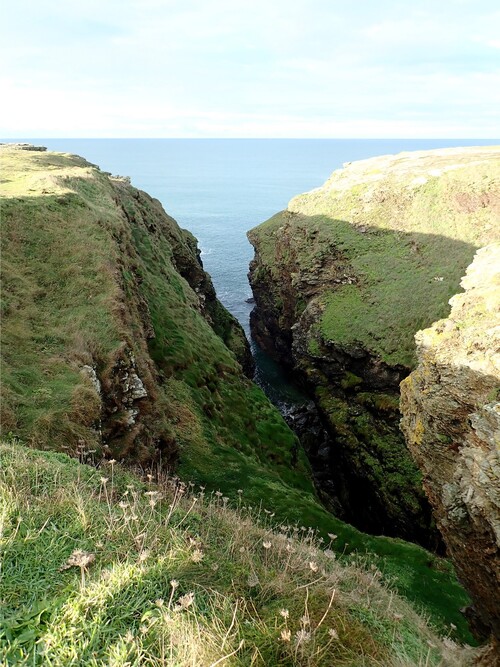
(405, 244)
(93, 267)
(177, 577)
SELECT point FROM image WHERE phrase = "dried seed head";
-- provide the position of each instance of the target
(285, 613)
(313, 566)
(286, 635)
(197, 556)
(79, 558)
(184, 602)
(333, 633)
(253, 580)
(302, 636)
(266, 545)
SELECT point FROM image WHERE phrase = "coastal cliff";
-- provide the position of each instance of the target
(342, 280)
(451, 420)
(105, 304)
(116, 352)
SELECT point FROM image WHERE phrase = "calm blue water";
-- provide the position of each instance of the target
(221, 188)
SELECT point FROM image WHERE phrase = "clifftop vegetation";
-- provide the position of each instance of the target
(388, 240)
(114, 347)
(101, 568)
(343, 279)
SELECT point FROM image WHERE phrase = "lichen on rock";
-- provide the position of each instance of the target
(451, 420)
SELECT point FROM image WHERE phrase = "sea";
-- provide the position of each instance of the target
(221, 188)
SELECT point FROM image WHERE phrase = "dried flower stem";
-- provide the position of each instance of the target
(195, 500)
(232, 624)
(327, 609)
(225, 657)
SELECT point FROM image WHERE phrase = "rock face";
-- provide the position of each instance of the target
(342, 280)
(451, 420)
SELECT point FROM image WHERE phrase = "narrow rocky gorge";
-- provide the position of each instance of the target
(116, 350)
(342, 280)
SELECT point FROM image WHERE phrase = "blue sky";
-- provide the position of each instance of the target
(262, 68)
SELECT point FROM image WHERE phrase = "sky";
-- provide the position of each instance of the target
(259, 68)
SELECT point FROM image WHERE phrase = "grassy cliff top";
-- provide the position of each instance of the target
(389, 238)
(102, 568)
(93, 282)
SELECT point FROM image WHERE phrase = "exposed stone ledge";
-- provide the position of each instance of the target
(451, 420)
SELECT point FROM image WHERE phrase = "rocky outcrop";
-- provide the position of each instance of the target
(25, 147)
(342, 280)
(451, 420)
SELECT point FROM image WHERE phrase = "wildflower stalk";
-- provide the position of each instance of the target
(225, 657)
(195, 500)
(232, 624)
(327, 609)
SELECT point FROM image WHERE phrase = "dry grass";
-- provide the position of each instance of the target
(100, 568)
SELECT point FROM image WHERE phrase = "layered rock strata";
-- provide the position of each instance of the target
(451, 420)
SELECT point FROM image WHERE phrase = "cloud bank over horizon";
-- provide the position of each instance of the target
(311, 68)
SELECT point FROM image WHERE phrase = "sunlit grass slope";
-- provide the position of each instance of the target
(100, 568)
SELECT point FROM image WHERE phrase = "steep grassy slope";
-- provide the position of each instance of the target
(109, 350)
(99, 568)
(342, 281)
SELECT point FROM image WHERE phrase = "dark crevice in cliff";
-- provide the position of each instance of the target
(344, 485)
(350, 428)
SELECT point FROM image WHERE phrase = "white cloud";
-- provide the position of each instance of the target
(235, 68)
